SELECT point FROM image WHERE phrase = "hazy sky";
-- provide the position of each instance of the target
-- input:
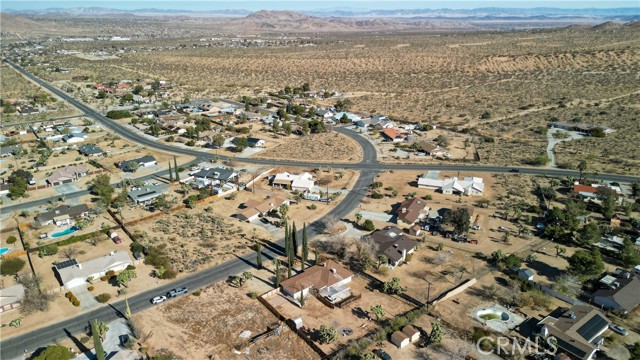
(311, 5)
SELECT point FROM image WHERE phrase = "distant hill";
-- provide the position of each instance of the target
(21, 25)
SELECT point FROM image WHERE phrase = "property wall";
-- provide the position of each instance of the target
(455, 291)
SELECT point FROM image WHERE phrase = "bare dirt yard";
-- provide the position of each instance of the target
(318, 147)
(204, 327)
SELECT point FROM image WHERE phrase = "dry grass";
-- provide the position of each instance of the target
(329, 146)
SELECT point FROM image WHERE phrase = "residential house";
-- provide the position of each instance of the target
(577, 330)
(393, 244)
(410, 211)
(525, 274)
(584, 191)
(433, 149)
(579, 127)
(380, 122)
(62, 215)
(9, 150)
(143, 161)
(352, 117)
(618, 292)
(11, 297)
(147, 193)
(255, 142)
(72, 274)
(254, 209)
(394, 135)
(74, 137)
(90, 150)
(324, 114)
(220, 173)
(303, 182)
(67, 175)
(4, 188)
(471, 186)
(27, 110)
(329, 279)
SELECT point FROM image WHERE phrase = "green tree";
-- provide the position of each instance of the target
(629, 254)
(305, 246)
(586, 264)
(175, 167)
(589, 234)
(97, 340)
(392, 286)
(259, 256)
(101, 187)
(125, 276)
(635, 351)
(358, 218)
(368, 225)
(435, 337)
(294, 240)
(608, 201)
(170, 173)
(305, 128)
(460, 220)
(246, 276)
(137, 89)
(217, 140)
(54, 352)
(283, 210)
(276, 263)
(328, 334)
(582, 167)
(512, 261)
(240, 143)
(560, 250)
(378, 311)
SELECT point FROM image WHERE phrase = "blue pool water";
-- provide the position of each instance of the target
(65, 232)
(4, 251)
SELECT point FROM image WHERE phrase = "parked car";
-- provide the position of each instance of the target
(194, 168)
(158, 299)
(475, 227)
(514, 170)
(176, 292)
(382, 354)
(619, 329)
(264, 220)
(43, 236)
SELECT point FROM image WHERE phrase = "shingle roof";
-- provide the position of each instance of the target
(72, 211)
(392, 242)
(627, 295)
(317, 276)
(409, 210)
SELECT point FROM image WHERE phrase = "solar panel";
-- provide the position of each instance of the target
(66, 264)
(589, 330)
(570, 348)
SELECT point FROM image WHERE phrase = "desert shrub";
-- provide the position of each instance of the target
(169, 139)
(253, 295)
(11, 266)
(90, 288)
(118, 114)
(76, 303)
(11, 240)
(540, 160)
(85, 339)
(136, 247)
(103, 298)
(197, 293)
(368, 225)
(131, 267)
(104, 278)
(312, 207)
(169, 274)
(376, 195)
(68, 294)
(48, 250)
(110, 273)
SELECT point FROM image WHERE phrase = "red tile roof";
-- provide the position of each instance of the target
(584, 188)
(393, 133)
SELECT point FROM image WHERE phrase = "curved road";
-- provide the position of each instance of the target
(368, 167)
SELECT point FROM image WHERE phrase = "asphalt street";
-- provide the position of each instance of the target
(368, 168)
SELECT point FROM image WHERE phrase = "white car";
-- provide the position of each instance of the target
(475, 227)
(194, 168)
(158, 299)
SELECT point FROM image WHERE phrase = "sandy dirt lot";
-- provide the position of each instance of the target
(203, 327)
(327, 146)
(353, 316)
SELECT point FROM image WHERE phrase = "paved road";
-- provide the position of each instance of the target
(368, 167)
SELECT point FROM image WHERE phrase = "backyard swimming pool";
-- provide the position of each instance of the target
(4, 250)
(65, 232)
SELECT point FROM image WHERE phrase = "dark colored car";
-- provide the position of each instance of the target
(514, 170)
(264, 220)
(382, 354)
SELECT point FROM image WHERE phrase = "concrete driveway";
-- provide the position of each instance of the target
(67, 188)
(111, 343)
(376, 216)
(87, 300)
(273, 230)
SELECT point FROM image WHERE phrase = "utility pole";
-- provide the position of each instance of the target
(428, 295)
